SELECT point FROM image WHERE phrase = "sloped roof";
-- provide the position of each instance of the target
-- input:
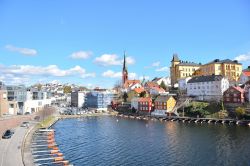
(246, 73)
(139, 90)
(175, 58)
(218, 61)
(186, 63)
(151, 84)
(129, 83)
(143, 99)
(163, 98)
(238, 89)
(205, 78)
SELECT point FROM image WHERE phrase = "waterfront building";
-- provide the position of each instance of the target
(207, 88)
(99, 100)
(36, 100)
(16, 97)
(134, 103)
(230, 69)
(78, 98)
(182, 84)
(4, 105)
(145, 105)
(234, 95)
(245, 75)
(181, 69)
(163, 104)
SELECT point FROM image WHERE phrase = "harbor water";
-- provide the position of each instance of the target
(107, 140)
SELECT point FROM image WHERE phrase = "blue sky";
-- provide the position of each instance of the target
(82, 41)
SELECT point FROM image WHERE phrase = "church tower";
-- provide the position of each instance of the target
(124, 70)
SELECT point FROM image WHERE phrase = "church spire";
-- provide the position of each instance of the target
(124, 70)
(124, 62)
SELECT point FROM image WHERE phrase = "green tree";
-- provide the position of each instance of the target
(163, 85)
(67, 89)
(125, 96)
(240, 112)
(143, 94)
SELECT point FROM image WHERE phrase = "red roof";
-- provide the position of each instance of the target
(238, 89)
(129, 83)
(139, 90)
(144, 99)
(246, 73)
(151, 84)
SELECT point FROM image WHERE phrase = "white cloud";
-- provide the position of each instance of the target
(163, 69)
(243, 57)
(26, 72)
(156, 64)
(112, 59)
(132, 76)
(24, 51)
(81, 55)
(111, 74)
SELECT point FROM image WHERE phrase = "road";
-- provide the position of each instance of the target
(10, 153)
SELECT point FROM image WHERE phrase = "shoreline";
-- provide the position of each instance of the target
(187, 119)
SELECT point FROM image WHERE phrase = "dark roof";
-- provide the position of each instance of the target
(186, 63)
(224, 61)
(163, 98)
(175, 58)
(205, 78)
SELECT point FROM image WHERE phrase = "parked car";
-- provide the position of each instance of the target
(7, 134)
(25, 124)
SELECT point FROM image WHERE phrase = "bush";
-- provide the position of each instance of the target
(240, 112)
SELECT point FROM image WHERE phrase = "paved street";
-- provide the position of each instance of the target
(10, 153)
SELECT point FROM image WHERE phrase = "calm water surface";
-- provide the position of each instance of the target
(116, 141)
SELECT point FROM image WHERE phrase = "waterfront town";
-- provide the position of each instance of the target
(218, 89)
(120, 83)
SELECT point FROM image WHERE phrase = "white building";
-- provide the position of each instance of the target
(78, 99)
(182, 83)
(207, 88)
(166, 80)
(36, 100)
(134, 102)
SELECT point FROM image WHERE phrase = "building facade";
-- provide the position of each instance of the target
(16, 97)
(234, 95)
(230, 69)
(99, 100)
(181, 69)
(36, 100)
(145, 105)
(163, 105)
(207, 88)
(78, 99)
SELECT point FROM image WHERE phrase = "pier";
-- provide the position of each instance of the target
(188, 119)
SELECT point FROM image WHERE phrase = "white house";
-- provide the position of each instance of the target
(78, 98)
(134, 102)
(36, 100)
(207, 88)
(166, 80)
(182, 83)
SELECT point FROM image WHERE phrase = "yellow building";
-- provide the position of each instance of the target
(227, 68)
(181, 69)
(164, 104)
